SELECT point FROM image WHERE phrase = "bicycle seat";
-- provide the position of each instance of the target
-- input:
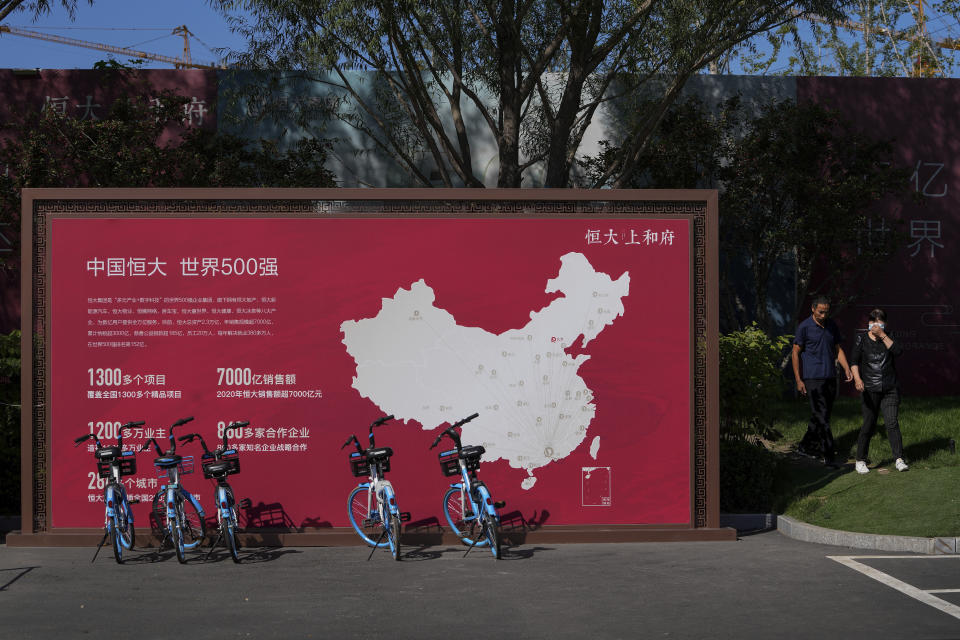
(167, 462)
(106, 454)
(379, 454)
(216, 469)
(473, 451)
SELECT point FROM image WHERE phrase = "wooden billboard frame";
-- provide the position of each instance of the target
(699, 207)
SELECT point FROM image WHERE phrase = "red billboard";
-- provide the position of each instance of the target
(571, 334)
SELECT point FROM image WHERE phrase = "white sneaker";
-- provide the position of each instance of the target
(901, 465)
(862, 467)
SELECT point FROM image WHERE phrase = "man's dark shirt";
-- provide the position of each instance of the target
(819, 349)
(876, 363)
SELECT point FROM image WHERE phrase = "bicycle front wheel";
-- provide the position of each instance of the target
(193, 526)
(364, 516)
(459, 513)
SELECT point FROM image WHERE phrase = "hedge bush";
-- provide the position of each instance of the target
(750, 382)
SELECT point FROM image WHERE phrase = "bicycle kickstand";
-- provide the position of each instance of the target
(214, 545)
(100, 546)
(482, 534)
(377, 545)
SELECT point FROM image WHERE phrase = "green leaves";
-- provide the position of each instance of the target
(751, 381)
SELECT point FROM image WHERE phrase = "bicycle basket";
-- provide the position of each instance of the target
(359, 464)
(449, 463)
(227, 465)
(185, 465)
(127, 461)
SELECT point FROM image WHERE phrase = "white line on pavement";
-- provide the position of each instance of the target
(899, 585)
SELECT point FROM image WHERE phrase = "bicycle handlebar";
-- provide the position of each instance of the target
(235, 425)
(96, 440)
(376, 423)
(380, 421)
(190, 437)
(451, 432)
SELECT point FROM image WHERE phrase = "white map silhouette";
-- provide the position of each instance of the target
(415, 362)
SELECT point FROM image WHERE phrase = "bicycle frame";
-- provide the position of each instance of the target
(175, 496)
(115, 501)
(115, 498)
(468, 487)
(176, 492)
(476, 504)
(381, 499)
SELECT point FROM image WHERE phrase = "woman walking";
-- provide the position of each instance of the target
(873, 364)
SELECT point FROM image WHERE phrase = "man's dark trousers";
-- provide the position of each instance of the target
(819, 437)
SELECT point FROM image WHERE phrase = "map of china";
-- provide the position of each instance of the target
(414, 361)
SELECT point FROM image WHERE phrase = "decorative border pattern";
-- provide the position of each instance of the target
(695, 210)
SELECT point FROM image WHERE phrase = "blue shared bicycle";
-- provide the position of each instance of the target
(372, 506)
(112, 464)
(219, 464)
(178, 514)
(468, 506)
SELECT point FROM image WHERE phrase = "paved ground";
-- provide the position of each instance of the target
(762, 586)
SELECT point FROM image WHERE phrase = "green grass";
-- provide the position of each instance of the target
(924, 501)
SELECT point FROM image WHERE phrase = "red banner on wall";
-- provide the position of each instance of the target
(570, 337)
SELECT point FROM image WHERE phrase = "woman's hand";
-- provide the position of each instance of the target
(858, 383)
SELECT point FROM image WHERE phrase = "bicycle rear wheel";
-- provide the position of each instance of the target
(459, 513)
(115, 543)
(394, 536)
(492, 531)
(158, 516)
(230, 534)
(365, 520)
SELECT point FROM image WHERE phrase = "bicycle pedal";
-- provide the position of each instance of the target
(134, 501)
(404, 516)
(499, 504)
(369, 522)
(245, 503)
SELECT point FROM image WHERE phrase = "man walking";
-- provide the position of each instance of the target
(816, 348)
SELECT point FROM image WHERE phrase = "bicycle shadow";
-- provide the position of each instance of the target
(424, 533)
(522, 553)
(464, 552)
(22, 572)
(268, 516)
(421, 553)
(251, 556)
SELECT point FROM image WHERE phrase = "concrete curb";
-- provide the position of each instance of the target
(876, 542)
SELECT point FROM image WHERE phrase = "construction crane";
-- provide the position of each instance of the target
(180, 63)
